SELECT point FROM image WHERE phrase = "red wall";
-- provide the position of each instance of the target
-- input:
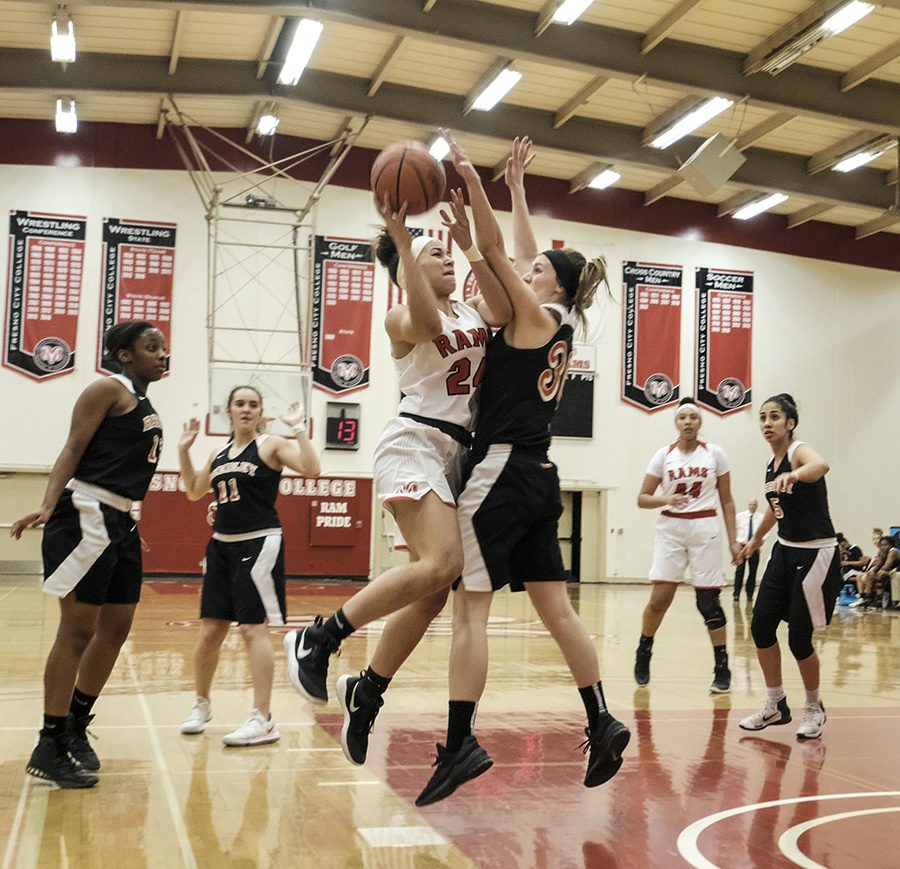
(326, 521)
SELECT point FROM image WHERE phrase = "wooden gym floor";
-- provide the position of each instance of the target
(694, 789)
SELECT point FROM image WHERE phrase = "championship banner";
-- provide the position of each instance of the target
(343, 282)
(724, 333)
(396, 296)
(43, 292)
(651, 345)
(136, 283)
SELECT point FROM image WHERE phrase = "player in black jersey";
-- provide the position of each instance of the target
(803, 576)
(244, 577)
(91, 547)
(510, 505)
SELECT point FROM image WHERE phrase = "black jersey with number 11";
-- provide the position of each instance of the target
(245, 488)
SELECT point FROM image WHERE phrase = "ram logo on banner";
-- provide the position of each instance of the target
(343, 282)
(396, 296)
(137, 275)
(651, 341)
(724, 335)
(43, 293)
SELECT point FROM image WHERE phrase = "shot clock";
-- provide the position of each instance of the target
(342, 426)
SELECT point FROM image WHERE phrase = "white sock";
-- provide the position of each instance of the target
(775, 694)
(813, 698)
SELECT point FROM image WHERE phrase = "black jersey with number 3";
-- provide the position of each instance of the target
(803, 514)
(521, 388)
(123, 453)
(245, 488)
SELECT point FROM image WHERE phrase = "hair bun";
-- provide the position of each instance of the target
(688, 399)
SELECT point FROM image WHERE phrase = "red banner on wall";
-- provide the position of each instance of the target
(326, 525)
(43, 293)
(724, 338)
(342, 314)
(651, 324)
(138, 271)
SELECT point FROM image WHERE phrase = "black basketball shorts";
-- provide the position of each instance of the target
(93, 549)
(244, 581)
(508, 514)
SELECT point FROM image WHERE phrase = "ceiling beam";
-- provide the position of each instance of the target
(621, 144)
(384, 65)
(498, 66)
(499, 168)
(570, 108)
(177, 36)
(890, 179)
(739, 200)
(268, 45)
(595, 49)
(428, 5)
(804, 215)
(827, 157)
(658, 191)
(763, 128)
(545, 16)
(666, 25)
(865, 69)
(891, 217)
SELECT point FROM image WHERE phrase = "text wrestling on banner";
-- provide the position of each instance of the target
(137, 276)
(724, 339)
(43, 293)
(342, 314)
(651, 334)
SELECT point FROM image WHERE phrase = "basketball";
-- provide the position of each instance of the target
(406, 172)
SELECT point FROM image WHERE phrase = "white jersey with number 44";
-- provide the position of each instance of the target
(439, 378)
(694, 474)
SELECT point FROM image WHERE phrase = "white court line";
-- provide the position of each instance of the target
(184, 842)
(687, 839)
(788, 846)
(346, 784)
(13, 841)
(8, 593)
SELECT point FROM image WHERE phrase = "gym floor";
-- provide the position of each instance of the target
(694, 790)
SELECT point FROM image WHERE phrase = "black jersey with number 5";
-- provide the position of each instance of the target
(245, 488)
(521, 388)
(802, 515)
(123, 453)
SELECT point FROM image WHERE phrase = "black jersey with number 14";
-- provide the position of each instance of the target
(245, 488)
(521, 388)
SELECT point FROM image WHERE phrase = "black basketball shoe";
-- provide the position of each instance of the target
(642, 666)
(52, 762)
(78, 744)
(307, 656)
(454, 768)
(360, 712)
(605, 742)
(721, 683)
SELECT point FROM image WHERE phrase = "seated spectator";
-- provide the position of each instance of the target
(874, 576)
(853, 562)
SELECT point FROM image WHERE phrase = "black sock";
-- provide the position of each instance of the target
(645, 644)
(337, 626)
(460, 722)
(378, 684)
(594, 702)
(54, 725)
(721, 654)
(81, 704)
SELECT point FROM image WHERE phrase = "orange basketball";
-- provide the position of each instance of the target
(406, 172)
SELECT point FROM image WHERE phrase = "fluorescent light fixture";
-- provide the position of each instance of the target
(782, 56)
(306, 35)
(66, 118)
(758, 206)
(604, 179)
(570, 11)
(505, 81)
(691, 121)
(62, 39)
(268, 122)
(438, 147)
(860, 158)
(846, 16)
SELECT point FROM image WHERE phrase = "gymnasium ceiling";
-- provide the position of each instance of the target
(590, 92)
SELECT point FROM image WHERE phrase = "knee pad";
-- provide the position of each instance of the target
(801, 646)
(763, 631)
(710, 609)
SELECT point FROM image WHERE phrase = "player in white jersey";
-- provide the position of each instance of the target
(692, 478)
(438, 346)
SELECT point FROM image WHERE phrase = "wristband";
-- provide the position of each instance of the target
(299, 428)
(472, 254)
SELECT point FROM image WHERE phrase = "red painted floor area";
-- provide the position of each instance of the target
(680, 767)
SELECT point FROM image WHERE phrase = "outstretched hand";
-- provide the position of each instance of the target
(189, 432)
(395, 223)
(294, 415)
(461, 161)
(519, 160)
(457, 221)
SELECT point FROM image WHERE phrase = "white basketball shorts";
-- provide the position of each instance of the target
(688, 543)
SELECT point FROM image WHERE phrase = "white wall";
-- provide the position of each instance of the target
(823, 331)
